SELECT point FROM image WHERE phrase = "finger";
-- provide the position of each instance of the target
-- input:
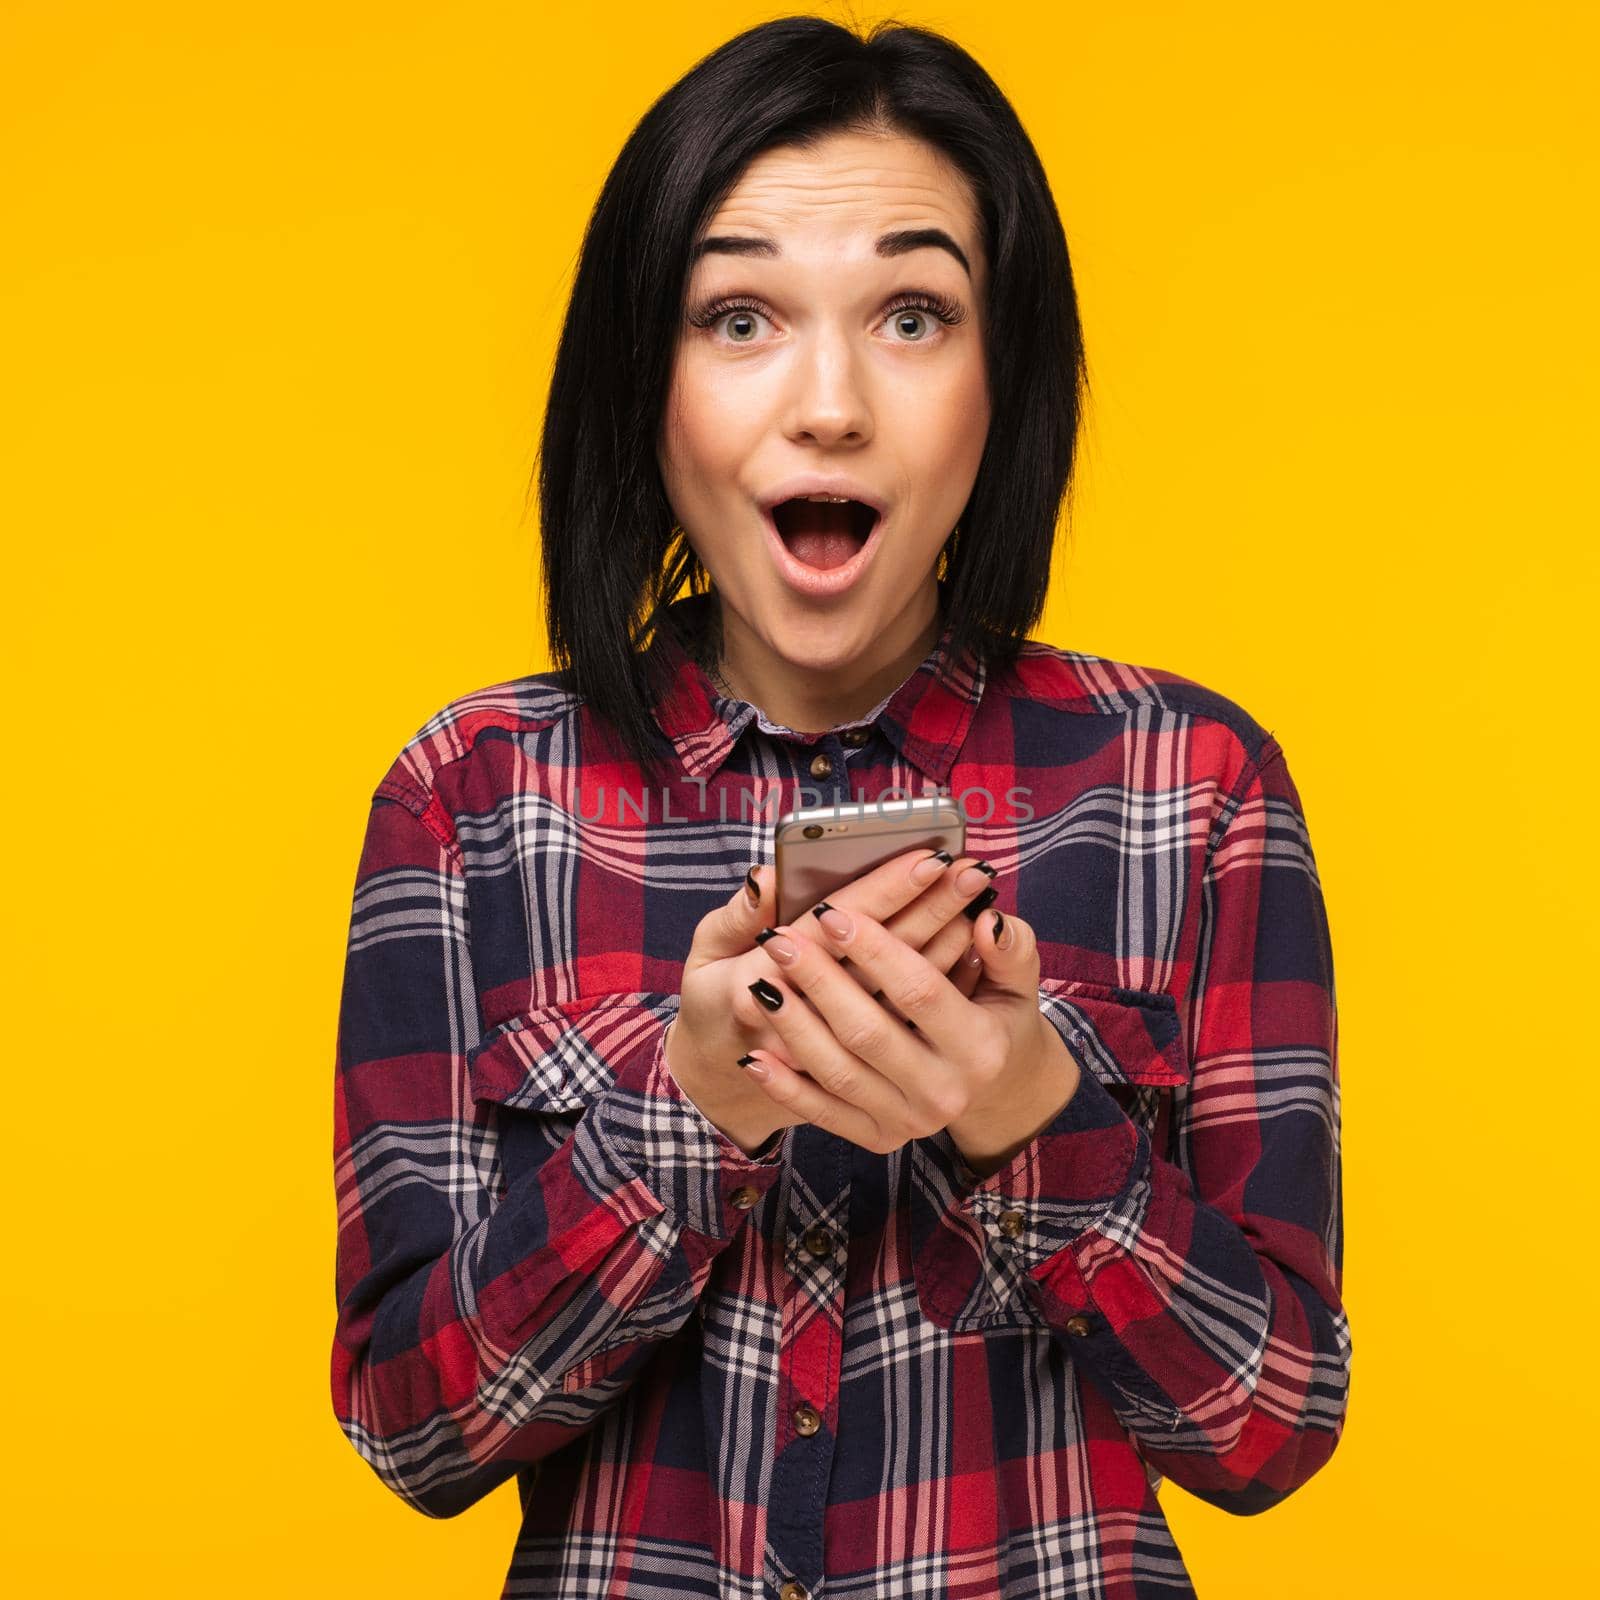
(804, 1100)
(886, 889)
(732, 928)
(968, 881)
(936, 893)
(772, 967)
(919, 990)
(1010, 952)
(967, 973)
(949, 944)
(951, 951)
(930, 923)
(916, 892)
(843, 1038)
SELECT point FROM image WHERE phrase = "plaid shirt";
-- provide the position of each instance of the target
(823, 1369)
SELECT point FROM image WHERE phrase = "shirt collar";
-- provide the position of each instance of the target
(925, 719)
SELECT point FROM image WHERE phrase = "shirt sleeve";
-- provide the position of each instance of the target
(482, 1326)
(1203, 1296)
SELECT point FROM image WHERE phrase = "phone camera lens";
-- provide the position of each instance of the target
(813, 830)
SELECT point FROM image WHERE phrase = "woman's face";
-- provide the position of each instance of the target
(815, 360)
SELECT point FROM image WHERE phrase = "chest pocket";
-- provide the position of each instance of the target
(544, 1068)
(1129, 1039)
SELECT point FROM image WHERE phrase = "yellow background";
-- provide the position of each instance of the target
(280, 288)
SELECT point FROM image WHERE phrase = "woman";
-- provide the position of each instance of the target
(905, 1251)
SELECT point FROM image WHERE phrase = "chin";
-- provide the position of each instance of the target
(827, 644)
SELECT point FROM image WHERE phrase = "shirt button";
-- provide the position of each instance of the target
(856, 737)
(819, 1241)
(821, 766)
(793, 1591)
(1011, 1223)
(1077, 1326)
(745, 1197)
(807, 1419)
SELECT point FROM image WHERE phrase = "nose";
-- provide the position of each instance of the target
(829, 403)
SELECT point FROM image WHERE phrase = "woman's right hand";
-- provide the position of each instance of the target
(719, 1019)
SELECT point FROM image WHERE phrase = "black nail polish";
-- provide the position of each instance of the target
(820, 907)
(999, 923)
(754, 887)
(744, 1061)
(984, 867)
(987, 898)
(770, 997)
(765, 934)
(942, 855)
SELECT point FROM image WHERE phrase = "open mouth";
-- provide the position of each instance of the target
(823, 534)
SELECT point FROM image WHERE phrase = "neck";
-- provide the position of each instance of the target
(810, 701)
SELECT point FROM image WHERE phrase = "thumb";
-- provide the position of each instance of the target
(731, 929)
(1009, 951)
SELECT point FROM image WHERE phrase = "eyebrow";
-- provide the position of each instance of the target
(899, 243)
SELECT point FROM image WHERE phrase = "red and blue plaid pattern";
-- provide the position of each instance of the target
(849, 1373)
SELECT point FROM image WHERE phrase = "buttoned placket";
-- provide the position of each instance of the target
(808, 1365)
(829, 769)
(811, 1348)
(808, 1393)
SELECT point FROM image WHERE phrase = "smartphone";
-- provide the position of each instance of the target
(818, 849)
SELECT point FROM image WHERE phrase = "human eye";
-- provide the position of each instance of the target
(919, 304)
(741, 306)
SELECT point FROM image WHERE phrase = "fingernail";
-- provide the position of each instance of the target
(1002, 934)
(973, 958)
(770, 997)
(755, 1068)
(972, 878)
(752, 889)
(776, 945)
(833, 920)
(930, 867)
(984, 900)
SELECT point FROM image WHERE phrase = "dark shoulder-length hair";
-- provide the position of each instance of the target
(613, 557)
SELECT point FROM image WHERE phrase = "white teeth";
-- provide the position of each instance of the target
(831, 499)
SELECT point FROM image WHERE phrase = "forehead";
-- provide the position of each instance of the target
(847, 190)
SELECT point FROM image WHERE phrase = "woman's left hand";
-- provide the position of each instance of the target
(990, 1068)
